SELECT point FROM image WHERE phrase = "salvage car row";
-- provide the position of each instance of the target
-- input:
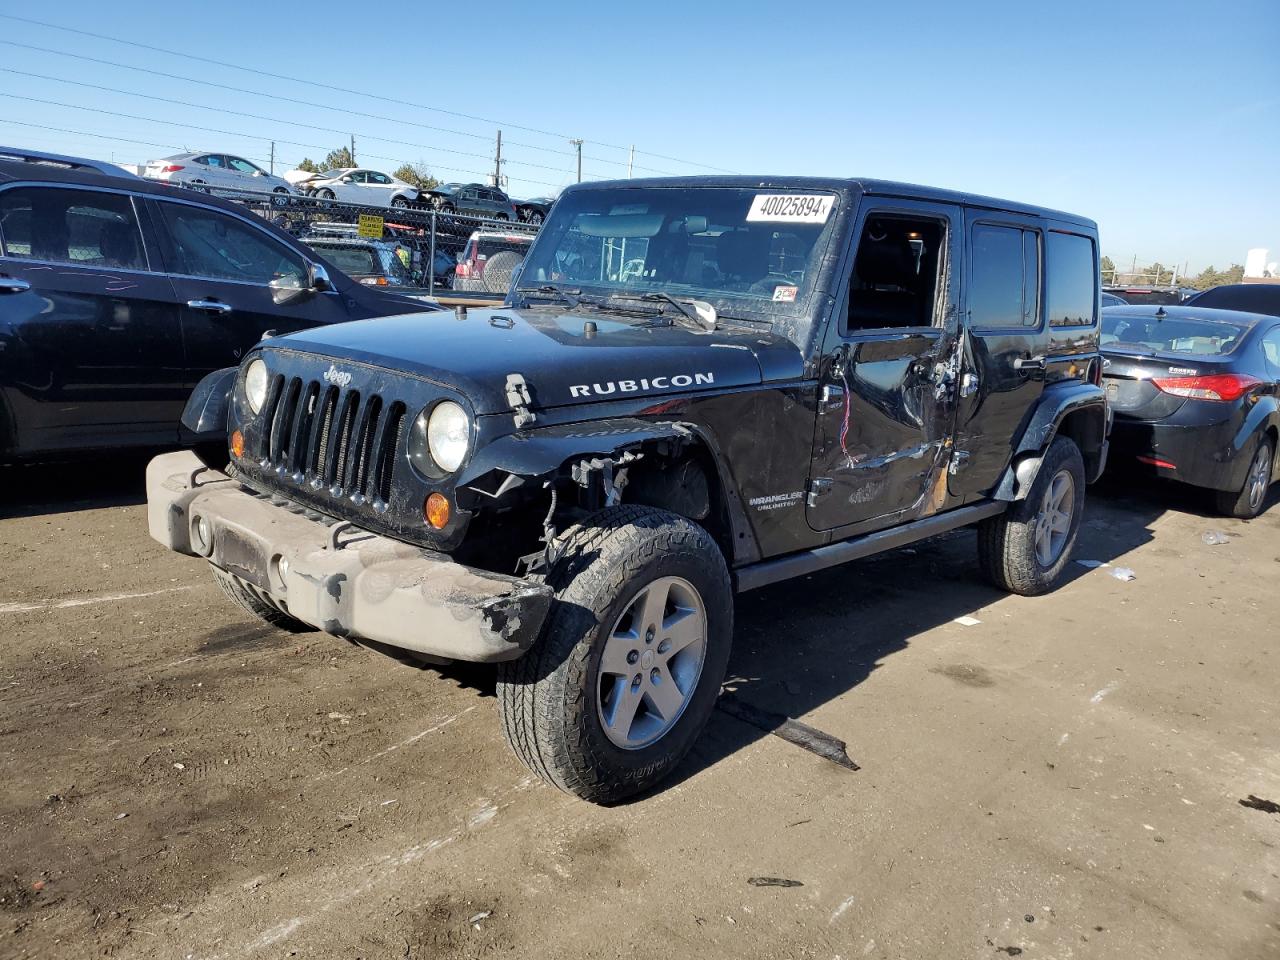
(226, 175)
(695, 387)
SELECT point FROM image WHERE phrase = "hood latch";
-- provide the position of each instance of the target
(518, 398)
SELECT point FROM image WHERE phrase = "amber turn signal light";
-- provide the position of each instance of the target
(436, 510)
(237, 443)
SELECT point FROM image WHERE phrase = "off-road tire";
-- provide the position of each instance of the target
(256, 603)
(1237, 503)
(547, 698)
(499, 271)
(1006, 544)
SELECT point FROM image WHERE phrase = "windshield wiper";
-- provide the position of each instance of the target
(699, 311)
(571, 297)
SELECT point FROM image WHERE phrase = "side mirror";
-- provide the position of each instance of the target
(345, 180)
(320, 281)
(258, 173)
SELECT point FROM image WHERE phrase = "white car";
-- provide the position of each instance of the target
(220, 173)
(358, 185)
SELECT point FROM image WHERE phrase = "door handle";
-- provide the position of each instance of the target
(213, 306)
(12, 285)
(1028, 364)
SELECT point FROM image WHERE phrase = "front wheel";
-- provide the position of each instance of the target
(630, 663)
(280, 197)
(536, 218)
(1026, 548)
(399, 202)
(1247, 502)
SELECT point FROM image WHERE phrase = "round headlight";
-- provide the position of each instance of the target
(255, 384)
(448, 434)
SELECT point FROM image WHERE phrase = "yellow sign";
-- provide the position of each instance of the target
(370, 226)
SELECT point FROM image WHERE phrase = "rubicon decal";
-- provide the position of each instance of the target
(675, 382)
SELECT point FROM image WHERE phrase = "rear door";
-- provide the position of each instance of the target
(1005, 335)
(220, 265)
(91, 345)
(886, 401)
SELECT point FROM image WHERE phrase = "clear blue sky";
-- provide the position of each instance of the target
(1159, 120)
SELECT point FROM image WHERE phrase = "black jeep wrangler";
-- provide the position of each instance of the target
(695, 387)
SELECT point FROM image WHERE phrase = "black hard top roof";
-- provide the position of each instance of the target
(869, 186)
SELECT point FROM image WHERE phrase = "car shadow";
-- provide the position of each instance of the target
(802, 644)
(86, 483)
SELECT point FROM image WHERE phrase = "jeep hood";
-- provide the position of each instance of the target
(561, 359)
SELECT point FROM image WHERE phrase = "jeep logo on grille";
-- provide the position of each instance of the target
(337, 377)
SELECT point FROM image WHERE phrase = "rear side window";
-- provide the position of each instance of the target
(1073, 280)
(1004, 287)
(207, 243)
(82, 227)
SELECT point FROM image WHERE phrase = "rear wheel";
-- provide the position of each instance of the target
(256, 602)
(536, 217)
(1247, 502)
(629, 666)
(399, 202)
(280, 196)
(1026, 548)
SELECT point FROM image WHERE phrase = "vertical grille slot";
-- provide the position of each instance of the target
(361, 441)
(318, 458)
(340, 440)
(385, 446)
(299, 449)
(282, 422)
(268, 412)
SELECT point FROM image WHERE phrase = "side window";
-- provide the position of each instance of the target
(215, 160)
(1004, 277)
(241, 166)
(896, 272)
(208, 243)
(81, 227)
(1073, 280)
(379, 178)
(358, 176)
(1271, 350)
(203, 161)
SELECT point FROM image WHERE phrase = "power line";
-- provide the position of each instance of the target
(257, 116)
(235, 133)
(335, 88)
(270, 96)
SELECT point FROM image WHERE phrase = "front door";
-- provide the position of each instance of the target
(886, 401)
(94, 348)
(1004, 338)
(220, 268)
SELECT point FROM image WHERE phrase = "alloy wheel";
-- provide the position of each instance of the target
(1053, 523)
(651, 663)
(1259, 475)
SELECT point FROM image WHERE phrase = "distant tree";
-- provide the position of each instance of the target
(308, 165)
(1108, 270)
(417, 174)
(1211, 277)
(338, 159)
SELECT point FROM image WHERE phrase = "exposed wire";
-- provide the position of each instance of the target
(333, 87)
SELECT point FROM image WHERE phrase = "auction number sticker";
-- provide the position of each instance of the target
(790, 208)
(784, 293)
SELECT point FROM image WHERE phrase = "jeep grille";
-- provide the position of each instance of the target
(331, 437)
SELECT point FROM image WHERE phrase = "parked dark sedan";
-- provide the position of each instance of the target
(117, 295)
(1249, 297)
(1195, 397)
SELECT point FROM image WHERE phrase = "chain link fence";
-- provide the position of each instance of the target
(442, 253)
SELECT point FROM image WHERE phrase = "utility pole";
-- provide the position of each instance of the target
(353, 149)
(497, 163)
(578, 145)
(272, 166)
(631, 159)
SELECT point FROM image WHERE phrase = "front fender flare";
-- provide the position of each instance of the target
(1056, 403)
(204, 420)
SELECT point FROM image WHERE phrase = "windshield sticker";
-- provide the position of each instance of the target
(621, 209)
(790, 208)
(784, 293)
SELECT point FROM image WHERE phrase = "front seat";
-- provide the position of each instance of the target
(886, 292)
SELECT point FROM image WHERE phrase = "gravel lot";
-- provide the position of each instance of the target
(1061, 779)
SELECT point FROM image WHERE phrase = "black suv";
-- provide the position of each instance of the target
(118, 294)
(696, 387)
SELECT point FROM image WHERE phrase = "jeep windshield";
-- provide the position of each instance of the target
(743, 250)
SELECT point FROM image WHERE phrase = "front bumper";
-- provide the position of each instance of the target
(338, 577)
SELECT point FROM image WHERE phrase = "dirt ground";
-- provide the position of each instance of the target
(1061, 779)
